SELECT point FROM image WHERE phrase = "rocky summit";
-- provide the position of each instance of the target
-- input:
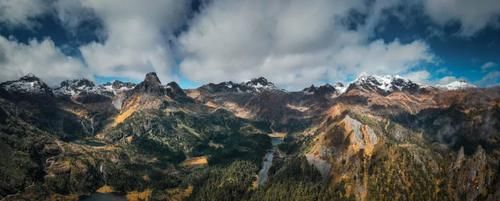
(377, 138)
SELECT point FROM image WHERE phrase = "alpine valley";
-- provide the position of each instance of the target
(377, 138)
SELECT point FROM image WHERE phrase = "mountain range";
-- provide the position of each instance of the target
(376, 138)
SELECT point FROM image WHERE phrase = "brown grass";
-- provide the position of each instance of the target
(131, 107)
(195, 161)
(139, 195)
(105, 189)
(277, 135)
(179, 194)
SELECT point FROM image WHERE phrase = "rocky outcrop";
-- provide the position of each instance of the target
(28, 85)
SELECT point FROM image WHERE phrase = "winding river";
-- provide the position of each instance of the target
(268, 160)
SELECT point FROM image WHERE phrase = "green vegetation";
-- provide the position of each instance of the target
(295, 180)
(231, 182)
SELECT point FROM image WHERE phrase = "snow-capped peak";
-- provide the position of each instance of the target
(251, 86)
(385, 83)
(259, 84)
(341, 88)
(78, 86)
(27, 84)
(456, 85)
(325, 89)
(118, 86)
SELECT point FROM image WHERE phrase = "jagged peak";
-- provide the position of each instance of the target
(384, 83)
(364, 77)
(78, 86)
(152, 86)
(119, 85)
(325, 89)
(260, 82)
(28, 83)
(28, 76)
(175, 91)
(152, 78)
(83, 82)
(173, 84)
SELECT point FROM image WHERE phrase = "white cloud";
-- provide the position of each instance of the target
(421, 77)
(41, 58)
(137, 37)
(471, 15)
(136, 33)
(446, 80)
(293, 43)
(20, 12)
(381, 58)
(490, 79)
(488, 65)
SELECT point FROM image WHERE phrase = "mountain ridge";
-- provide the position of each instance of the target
(383, 84)
(381, 137)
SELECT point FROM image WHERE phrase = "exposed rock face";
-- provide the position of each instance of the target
(256, 85)
(259, 84)
(119, 85)
(381, 151)
(325, 90)
(29, 84)
(75, 87)
(150, 85)
(321, 90)
(472, 175)
(175, 91)
(384, 84)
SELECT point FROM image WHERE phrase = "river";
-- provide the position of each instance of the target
(268, 160)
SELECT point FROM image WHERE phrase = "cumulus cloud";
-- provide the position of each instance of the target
(291, 42)
(471, 15)
(135, 36)
(490, 79)
(245, 39)
(379, 57)
(446, 80)
(138, 34)
(20, 12)
(421, 76)
(41, 58)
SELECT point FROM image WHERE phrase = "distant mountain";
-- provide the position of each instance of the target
(118, 86)
(326, 89)
(153, 86)
(384, 84)
(259, 84)
(255, 85)
(28, 84)
(78, 86)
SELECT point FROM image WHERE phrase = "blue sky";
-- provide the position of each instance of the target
(292, 43)
(460, 56)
